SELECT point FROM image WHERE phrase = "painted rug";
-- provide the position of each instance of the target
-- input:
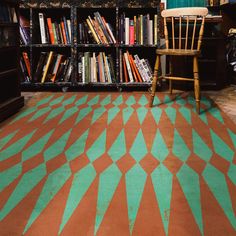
(105, 164)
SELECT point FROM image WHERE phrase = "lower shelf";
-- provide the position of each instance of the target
(10, 107)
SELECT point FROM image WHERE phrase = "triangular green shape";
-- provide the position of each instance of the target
(24, 113)
(180, 101)
(77, 148)
(215, 112)
(98, 113)
(118, 148)
(118, 101)
(81, 183)
(156, 112)
(135, 182)
(186, 113)
(15, 147)
(143, 101)
(106, 100)
(180, 149)
(81, 100)
(127, 112)
(98, 148)
(162, 183)
(69, 112)
(189, 181)
(232, 173)
(83, 113)
(55, 112)
(233, 136)
(142, 112)
(52, 186)
(159, 149)
(57, 101)
(112, 113)
(44, 100)
(168, 100)
(70, 100)
(139, 148)
(93, 101)
(40, 112)
(36, 147)
(108, 183)
(7, 138)
(23, 188)
(221, 148)
(200, 148)
(57, 148)
(171, 113)
(130, 101)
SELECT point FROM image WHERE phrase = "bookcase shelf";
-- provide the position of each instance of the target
(10, 98)
(77, 12)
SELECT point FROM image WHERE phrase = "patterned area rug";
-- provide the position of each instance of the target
(105, 164)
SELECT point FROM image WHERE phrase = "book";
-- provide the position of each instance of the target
(47, 66)
(131, 32)
(50, 28)
(42, 28)
(39, 69)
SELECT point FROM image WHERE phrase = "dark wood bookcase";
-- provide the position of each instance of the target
(10, 96)
(78, 11)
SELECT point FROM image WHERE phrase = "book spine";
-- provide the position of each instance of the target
(135, 29)
(46, 67)
(83, 70)
(42, 28)
(131, 78)
(54, 33)
(150, 33)
(141, 30)
(127, 30)
(155, 29)
(69, 29)
(27, 63)
(51, 35)
(93, 31)
(63, 32)
(66, 30)
(131, 32)
(56, 68)
(125, 69)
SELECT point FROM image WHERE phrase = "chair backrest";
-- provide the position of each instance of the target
(188, 19)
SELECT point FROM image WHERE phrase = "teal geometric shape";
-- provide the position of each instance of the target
(135, 182)
(186, 113)
(106, 100)
(98, 113)
(98, 148)
(81, 183)
(156, 112)
(189, 181)
(159, 149)
(112, 113)
(143, 101)
(206, 101)
(168, 100)
(93, 101)
(81, 100)
(55, 112)
(44, 100)
(203, 117)
(218, 186)
(221, 148)
(118, 101)
(156, 101)
(171, 113)
(39, 113)
(142, 112)
(118, 148)
(200, 148)
(69, 100)
(232, 136)
(24, 113)
(215, 112)
(68, 113)
(36, 147)
(9, 175)
(139, 148)
(57, 101)
(15, 147)
(26, 184)
(127, 112)
(232, 173)
(130, 101)
(54, 183)
(83, 113)
(162, 183)
(180, 149)
(56, 148)
(191, 100)
(77, 148)
(108, 183)
(7, 138)
(180, 101)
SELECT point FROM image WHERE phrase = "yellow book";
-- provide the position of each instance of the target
(46, 67)
(93, 31)
(155, 29)
(141, 29)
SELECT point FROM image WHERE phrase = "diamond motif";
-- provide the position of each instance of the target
(149, 163)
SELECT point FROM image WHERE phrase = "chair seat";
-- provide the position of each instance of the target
(178, 52)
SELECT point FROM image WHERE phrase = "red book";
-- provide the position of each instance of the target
(52, 39)
(131, 32)
(27, 62)
(63, 32)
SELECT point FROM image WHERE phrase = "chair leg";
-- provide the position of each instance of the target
(196, 84)
(171, 74)
(154, 81)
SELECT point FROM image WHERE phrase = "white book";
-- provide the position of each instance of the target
(141, 68)
(83, 70)
(69, 29)
(110, 33)
(42, 28)
(108, 70)
(127, 30)
(131, 78)
(95, 68)
(155, 29)
(150, 33)
(146, 69)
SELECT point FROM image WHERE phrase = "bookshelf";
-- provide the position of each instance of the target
(77, 12)
(10, 96)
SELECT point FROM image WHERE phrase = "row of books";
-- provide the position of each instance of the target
(135, 69)
(51, 67)
(24, 25)
(140, 29)
(95, 67)
(54, 32)
(99, 29)
(7, 14)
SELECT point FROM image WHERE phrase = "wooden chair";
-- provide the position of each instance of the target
(188, 43)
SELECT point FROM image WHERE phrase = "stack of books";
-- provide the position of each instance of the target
(53, 67)
(135, 70)
(95, 67)
(140, 30)
(25, 67)
(96, 30)
(24, 30)
(7, 14)
(57, 32)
